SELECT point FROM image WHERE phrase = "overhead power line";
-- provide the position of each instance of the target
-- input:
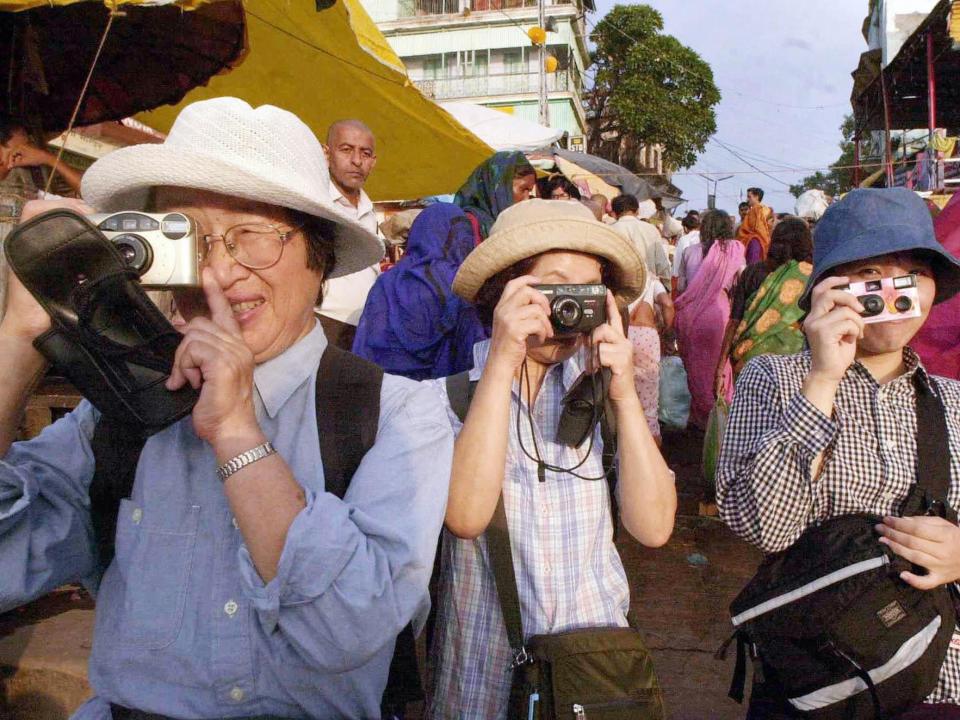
(743, 159)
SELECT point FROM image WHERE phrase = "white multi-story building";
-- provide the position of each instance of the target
(478, 51)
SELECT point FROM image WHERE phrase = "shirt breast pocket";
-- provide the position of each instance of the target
(153, 558)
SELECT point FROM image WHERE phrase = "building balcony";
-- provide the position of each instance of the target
(494, 85)
(425, 8)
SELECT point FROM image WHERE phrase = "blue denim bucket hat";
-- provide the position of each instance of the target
(871, 222)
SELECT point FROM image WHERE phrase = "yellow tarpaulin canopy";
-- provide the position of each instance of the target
(334, 64)
(329, 65)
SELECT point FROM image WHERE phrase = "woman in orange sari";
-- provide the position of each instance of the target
(754, 231)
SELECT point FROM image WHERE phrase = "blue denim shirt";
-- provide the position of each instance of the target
(184, 624)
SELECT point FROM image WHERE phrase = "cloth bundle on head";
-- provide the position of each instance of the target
(538, 226)
(223, 145)
(938, 341)
(489, 189)
(812, 204)
(412, 324)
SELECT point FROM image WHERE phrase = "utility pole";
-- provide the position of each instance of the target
(542, 74)
(712, 196)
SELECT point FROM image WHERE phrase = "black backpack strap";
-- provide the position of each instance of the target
(460, 391)
(348, 414)
(116, 451)
(929, 494)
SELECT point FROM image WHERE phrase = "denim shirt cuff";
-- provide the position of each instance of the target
(304, 570)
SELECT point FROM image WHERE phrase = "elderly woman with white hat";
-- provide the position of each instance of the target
(554, 497)
(262, 594)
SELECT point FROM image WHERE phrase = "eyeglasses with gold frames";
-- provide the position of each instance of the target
(256, 246)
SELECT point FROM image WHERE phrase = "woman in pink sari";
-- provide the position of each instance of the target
(703, 309)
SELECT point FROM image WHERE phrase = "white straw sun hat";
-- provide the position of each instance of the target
(223, 145)
(537, 226)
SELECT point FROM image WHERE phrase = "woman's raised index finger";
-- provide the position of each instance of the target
(220, 311)
(613, 315)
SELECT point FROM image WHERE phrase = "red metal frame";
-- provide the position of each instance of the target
(887, 146)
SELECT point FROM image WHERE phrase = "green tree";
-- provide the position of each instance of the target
(648, 89)
(839, 178)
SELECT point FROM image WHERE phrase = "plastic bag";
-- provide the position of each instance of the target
(674, 410)
(713, 440)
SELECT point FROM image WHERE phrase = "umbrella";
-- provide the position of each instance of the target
(578, 175)
(628, 182)
(500, 130)
(328, 61)
(150, 56)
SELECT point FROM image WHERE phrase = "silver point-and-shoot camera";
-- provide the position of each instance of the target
(162, 247)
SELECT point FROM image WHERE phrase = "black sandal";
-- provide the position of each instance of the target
(107, 337)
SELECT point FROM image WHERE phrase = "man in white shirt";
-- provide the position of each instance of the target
(642, 234)
(351, 154)
(691, 236)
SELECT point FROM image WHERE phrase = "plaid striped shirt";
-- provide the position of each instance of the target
(764, 489)
(569, 574)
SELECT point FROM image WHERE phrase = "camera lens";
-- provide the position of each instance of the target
(135, 251)
(567, 312)
(872, 305)
(903, 303)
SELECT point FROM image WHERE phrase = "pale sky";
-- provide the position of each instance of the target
(768, 57)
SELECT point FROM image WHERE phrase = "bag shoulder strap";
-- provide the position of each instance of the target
(348, 414)
(931, 490)
(116, 452)
(460, 390)
(505, 579)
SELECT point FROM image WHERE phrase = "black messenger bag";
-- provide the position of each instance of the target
(829, 624)
(600, 673)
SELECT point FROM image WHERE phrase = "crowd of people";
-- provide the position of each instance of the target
(282, 546)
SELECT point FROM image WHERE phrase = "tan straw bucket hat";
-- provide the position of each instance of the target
(538, 226)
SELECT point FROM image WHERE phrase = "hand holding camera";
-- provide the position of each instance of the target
(615, 352)
(521, 313)
(24, 317)
(833, 326)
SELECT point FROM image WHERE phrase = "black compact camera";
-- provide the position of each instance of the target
(575, 309)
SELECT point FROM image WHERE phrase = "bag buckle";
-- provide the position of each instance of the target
(521, 657)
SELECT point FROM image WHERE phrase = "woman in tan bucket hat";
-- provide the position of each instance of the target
(555, 498)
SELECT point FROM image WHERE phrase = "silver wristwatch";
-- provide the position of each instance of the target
(243, 459)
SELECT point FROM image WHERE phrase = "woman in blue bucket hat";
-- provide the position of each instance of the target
(832, 430)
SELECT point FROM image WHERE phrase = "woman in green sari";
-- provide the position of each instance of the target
(764, 315)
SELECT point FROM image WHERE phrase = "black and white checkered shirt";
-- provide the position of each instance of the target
(764, 489)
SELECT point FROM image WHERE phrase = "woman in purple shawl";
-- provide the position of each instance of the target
(412, 324)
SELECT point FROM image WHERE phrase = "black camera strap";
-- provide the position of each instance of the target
(928, 496)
